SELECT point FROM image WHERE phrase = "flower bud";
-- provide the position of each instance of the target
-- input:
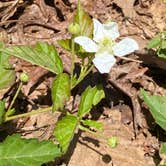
(74, 28)
(24, 77)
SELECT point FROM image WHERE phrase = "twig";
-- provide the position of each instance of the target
(130, 59)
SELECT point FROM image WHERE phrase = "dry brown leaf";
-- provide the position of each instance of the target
(158, 10)
(127, 7)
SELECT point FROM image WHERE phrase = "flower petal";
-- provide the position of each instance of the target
(87, 44)
(104, 62)
(111, 30)
(125, 46)
(98, 31)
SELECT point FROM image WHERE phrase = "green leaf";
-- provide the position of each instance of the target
(10, 112)
(16, 151)
(2, 111)
(163, 154)
(157, 105)
(86, 101)
(163, 44)
(99, 95)
(7, 75)
(86, 129)
(113, 141)
(84, 20)
(161, 53)
(60, 91)
(64, 131)
(91, 123)
(90, 97)
(42, 54)
(65, 43)
(163, 148)
(81, 53)
(164, 32)
(155, 42)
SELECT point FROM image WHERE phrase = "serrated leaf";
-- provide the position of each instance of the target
(91, 123)
(89, 98)
(65, 43)
(163, 154)
(161, 53)
(163, 148)
(98, 95)
(42, 54)
(164, 32)
(155, 42)
(60, 91)
(157, 106)
(7, 75)
(163, 44)
(64, 131)
(84, 20)
(86, 101)
(2, 111)
(16, 151)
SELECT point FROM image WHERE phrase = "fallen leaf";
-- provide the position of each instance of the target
(127, 7)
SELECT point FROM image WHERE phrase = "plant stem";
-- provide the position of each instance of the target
(15, 96)
(40, 110)
(81, 77)
(98, 135)
(72, 57)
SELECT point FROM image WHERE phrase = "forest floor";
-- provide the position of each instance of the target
(28, 21)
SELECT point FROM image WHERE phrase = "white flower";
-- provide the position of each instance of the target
(104, 45)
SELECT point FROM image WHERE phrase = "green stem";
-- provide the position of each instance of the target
(98, 135)
(72, 57)
(40, 110)
(14, 98)
(81, 77)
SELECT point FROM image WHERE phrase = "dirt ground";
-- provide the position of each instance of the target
(28, 21)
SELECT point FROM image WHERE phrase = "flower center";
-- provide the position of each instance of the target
(106, 44)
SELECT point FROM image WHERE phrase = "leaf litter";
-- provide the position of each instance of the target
(26, 22)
